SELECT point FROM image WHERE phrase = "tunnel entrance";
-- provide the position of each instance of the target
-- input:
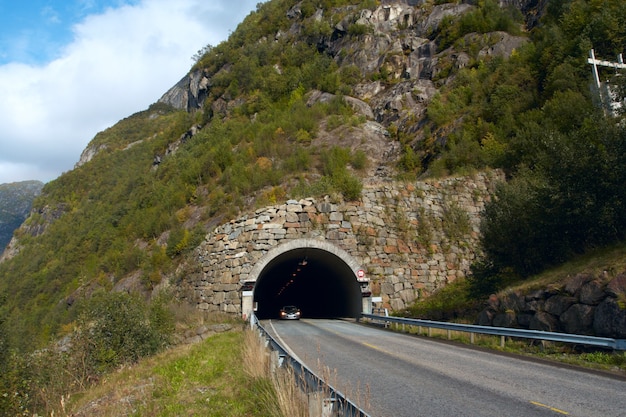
(321, 283)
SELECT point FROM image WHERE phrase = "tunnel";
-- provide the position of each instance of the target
(315, 280)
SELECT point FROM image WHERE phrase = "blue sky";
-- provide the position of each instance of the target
(71, 68)
(35, 31)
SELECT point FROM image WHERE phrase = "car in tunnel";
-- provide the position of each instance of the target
(290, 313)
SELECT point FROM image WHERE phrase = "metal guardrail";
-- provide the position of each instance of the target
(310, 382)
(617, 344)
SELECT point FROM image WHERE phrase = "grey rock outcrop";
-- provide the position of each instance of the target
(189, 93)
(583, 304)
(399, 42)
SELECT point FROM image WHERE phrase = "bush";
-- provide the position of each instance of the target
(14, 386)
(486, 279)
(488, 17)
(349, 186)
(447, 303)
(456, 222)
(357, 29)
(119, 328)
(359, 160)
(334, 167)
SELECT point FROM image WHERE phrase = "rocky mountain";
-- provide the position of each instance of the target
(316, 98)
(16, 200)
(356, 105)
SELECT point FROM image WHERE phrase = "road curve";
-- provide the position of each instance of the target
(394, 375)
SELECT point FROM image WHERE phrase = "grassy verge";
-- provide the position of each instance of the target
(227, 374)
(202, 379)
(612, 361)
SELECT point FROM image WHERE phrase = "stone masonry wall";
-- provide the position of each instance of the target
(585, 303)
(411, 238)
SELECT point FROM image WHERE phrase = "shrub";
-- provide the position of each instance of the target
(456, 222)
(119, 328)
(488, 17)
(357, 29)
(335, 160)
(349, 186)
(359, 160)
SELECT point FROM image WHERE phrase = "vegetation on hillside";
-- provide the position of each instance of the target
(16, 200)
(149, 194)
(534, 117)
(111, 330)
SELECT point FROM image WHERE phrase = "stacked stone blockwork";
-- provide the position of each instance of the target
(410, 238)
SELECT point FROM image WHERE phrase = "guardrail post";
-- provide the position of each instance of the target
(316, 404)
(502, 339)
(472, 338)
(276, 360)
(321, 405)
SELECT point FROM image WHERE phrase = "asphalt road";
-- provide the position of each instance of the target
(394, 375)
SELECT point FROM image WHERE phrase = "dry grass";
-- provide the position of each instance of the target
(286, 394)
(228, 374)
(255, 356)
(292, 401)
(290, 394)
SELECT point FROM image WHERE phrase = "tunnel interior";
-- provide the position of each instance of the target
(320, 283)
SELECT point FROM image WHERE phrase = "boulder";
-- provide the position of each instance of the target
(592, 293)
(506, 319)
(610, 319)
(575, 283)
(578, 319)
(513, 301)
(485, 317)
(558, 304)
(536, 295)
(617, 286)
(535, 305)
(544, 322)
(523, 320)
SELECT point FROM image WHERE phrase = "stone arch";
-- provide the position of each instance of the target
(316, 275)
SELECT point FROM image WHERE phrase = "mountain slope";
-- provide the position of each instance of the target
(16, 200)
(304, 99)
(315, 98)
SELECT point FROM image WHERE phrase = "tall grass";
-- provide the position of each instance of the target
(208, 378)
(279, 387)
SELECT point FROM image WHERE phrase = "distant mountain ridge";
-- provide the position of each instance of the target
(16, 200)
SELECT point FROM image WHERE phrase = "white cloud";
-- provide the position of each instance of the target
(119, 63)
(50, 15)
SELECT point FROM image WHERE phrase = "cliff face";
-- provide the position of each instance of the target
(398, 39)
(16, 200)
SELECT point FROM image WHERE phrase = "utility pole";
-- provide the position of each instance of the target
(605, 94)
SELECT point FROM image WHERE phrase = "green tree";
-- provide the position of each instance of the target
(569, 201)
